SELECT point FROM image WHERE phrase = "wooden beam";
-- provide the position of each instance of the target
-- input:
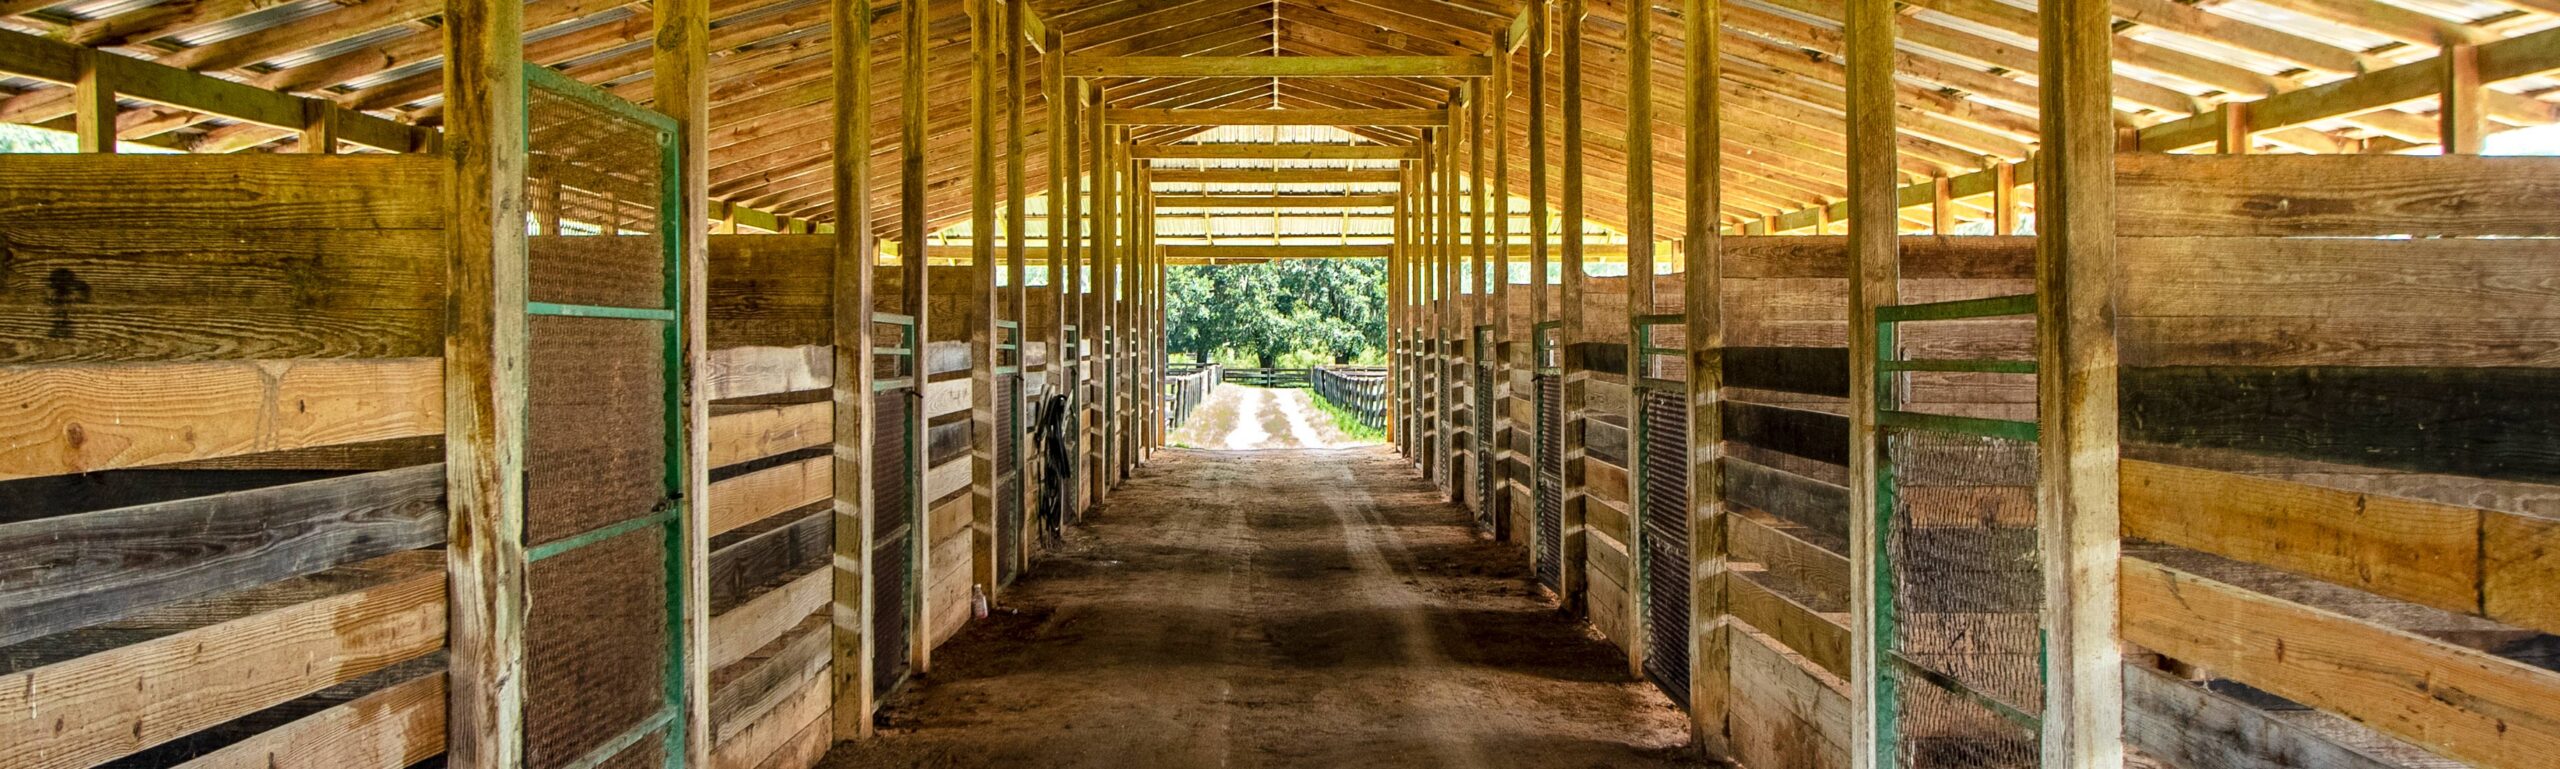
(1274, 176)
(1271, 152)
(1081, 65)
(914, 101)
(1275, 201)
(1276, 117)
(680, 58)
(852, 290)
(2076, 487)
(485, 366)
(986, 36)
(94, 104)
(1574, 586)
(1870, 29)
(58, 62)
(1640, 285)
(1276, 252)
(2461, 119)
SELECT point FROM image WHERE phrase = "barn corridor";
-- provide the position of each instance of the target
(1276, 608)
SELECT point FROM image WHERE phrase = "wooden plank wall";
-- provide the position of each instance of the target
(222, 460)
(2340, 456)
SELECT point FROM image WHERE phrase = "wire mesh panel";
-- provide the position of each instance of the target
(1550, 480)
(1009, 478)
(1664, 497)
(1961, 678)
(1486, 518)
(893, 500)
(603, 425)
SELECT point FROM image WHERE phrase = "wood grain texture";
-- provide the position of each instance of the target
(770, 290)
(2194, 728)
(748, 372)
(740, 631)
(88, 710)
(746, 690)
(73, 571)
(400, 725)
(755, 496)
(750, 433)
(2497, 423)
(1786, 713)
(2423, 552)
(2462, 703)
(88, 418)
(220, 192)
(750, 560)
(2335, 195)
(1822, 639)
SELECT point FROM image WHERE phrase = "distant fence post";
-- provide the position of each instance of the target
(1361, 390)
(1186, 385)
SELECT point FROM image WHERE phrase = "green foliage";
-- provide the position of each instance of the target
(1333, 310)
(1348, 423)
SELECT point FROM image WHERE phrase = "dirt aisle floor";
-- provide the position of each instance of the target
(1301, 608)
(1243, 417)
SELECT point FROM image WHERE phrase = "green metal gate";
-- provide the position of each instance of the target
(1008, 399)
(604, 428)
(1548, 541)
(897, 393)
(1488, 518)
(1960, 649)
(1659, 466)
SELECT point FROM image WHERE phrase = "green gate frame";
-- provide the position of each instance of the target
(670, 515)
(1641, 350)
(1545, 358)
(1891, 665)
(905, 361)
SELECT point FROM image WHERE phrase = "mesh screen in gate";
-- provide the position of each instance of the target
(1665, 501)
(1551, 481)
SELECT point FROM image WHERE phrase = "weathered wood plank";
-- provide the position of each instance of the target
(73, 571)
(740, 631)
(749, 559)
(84, 711)
(748, 372)
(86, 418)
(2335, 195)
(2462, 703)
(751, 687)
(400, 725)
(2423, 552)
(1820, 507)
(758, 495)
(747, 434)
(225, 192)
(1809, 434)
(1785, 711)
(1821, 638)
(1278, 66)
(2495, 423)
(2192, 728)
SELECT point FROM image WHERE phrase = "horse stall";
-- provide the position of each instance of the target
(222, 498)
(2340, 446)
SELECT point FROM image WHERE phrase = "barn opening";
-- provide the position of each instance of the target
(1767, 383)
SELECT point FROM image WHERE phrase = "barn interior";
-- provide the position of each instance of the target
(1772, 384)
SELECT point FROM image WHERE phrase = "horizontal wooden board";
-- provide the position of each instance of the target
(2345, 340)
(759, 432)
(754, 559)
(758, 495)
(1808, 370)
(1821, 508)
(399, 725)
(740, 631)
(1822, 639)
(2423, 552)
(1785, 712)
(750, 372)
(2194, 728)
(1809, 434)
(86, 418)
(1821, 575)
(779, 728)
(770, 290)
(215, 191)
(2321, 277)
(2465, 704)
(71, 571)
(88, 710)
(2499, 423)
(2335, 195)
(747, 689)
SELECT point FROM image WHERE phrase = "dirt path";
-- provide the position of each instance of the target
(1306, 608)
(1238, 417)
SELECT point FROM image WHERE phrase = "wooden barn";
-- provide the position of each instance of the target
(1780, 384)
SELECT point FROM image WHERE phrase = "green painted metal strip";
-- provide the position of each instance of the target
(2033, 725)
(620, 742)
(592, 536)
(1991, 307)
(599, 311)
(1887, 706)
(1972, 366)
(552, 80)
(2009, 429)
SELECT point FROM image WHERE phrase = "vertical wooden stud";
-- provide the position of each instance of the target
(1710, 693)
(2461, 119)
(1499, 103)
(1875, 261)
(2235, 129)
(913, 135)
(2004, 199)
(1538, 304)
(1571, 586)
(484, 375)
(320, 119)
(1942, 205)
(1640, 299)
(2076, 388)
(93, 95)
(681, 86)
(853, 285)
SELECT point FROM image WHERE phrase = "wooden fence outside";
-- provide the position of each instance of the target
(1186, 386)
(1362, 390)
(1268, 377)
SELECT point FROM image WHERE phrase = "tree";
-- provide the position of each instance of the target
(1267, 311)
(1341, 304)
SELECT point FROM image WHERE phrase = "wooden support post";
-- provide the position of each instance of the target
(1450, 335)
(2461, 118)
(1066, 233)
(320, 123)
(1875, 230)
(853, 285)
(1499, 104)
(1056, 366)
(1124, 314)
(484, 382)
(1942, 205)
(2235, 130)
(681, 57)
(1710, 673)
(2076, 486)
(1399, 311)
(93, 116)
(914, 134)
(1538, 309)
(1480, 294)
(1640, 301)
(2004, 199)
(984, 311)
(1572, 586)
(1097, 317)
